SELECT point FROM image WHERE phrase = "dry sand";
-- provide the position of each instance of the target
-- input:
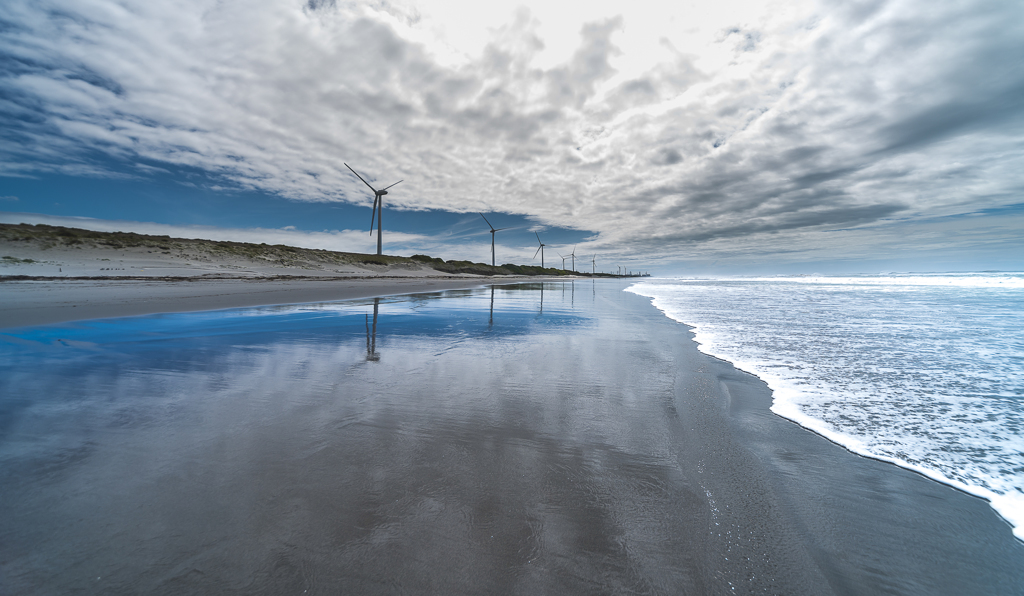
(177, 258)
(43, 302)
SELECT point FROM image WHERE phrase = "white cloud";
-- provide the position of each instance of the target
(661, 129)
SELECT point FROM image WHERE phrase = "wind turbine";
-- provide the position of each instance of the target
(493, 230)
(378, 206)
(540, 249)
(573, 255)
(593, 265)
(371, 344)
(563, 260)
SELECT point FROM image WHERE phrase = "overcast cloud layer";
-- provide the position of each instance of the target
(739, 133)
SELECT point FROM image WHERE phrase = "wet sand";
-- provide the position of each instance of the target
(43, 302)
(570, 442)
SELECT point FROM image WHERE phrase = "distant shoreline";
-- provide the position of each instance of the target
(51, 274)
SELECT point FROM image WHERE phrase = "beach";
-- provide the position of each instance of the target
(50, 275)
(47, 301)
(530, 438)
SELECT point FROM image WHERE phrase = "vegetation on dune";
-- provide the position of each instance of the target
(47, 237)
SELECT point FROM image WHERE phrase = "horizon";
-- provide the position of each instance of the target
(741, 138)
(113, 227)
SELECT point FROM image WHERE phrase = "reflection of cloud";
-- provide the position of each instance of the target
(772, 131)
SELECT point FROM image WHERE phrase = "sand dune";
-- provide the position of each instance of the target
(44, 251)
(50, 274)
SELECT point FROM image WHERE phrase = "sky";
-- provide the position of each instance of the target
(805, 136)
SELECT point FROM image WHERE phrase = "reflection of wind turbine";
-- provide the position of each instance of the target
(371, 340)
(490, 321)
(540, 249)
(378, 206)
(493, 230)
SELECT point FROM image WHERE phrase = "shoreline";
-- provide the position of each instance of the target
(1006, 507)
(865, 525)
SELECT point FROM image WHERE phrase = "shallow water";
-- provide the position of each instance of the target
(926, 370)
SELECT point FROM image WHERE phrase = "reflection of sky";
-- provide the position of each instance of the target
(464, 312)
(38, 363)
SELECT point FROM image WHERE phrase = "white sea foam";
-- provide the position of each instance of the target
(925, 371)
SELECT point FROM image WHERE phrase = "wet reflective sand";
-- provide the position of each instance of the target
(564, 438)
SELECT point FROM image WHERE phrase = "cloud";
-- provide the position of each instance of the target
(9, 198)
(801, 119)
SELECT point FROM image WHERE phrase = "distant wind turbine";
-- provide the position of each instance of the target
(378, 207)
(573, 255)
(540, 249)
(493, 230)
(593, 265)
(563, 260)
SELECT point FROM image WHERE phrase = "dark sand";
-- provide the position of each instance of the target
(56, 300)
(581, 447)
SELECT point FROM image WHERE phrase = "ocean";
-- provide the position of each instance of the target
(922, 370)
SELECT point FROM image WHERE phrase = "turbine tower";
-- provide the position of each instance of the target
(371, 340)
(540, 249)
(378, 207)
(493, 230)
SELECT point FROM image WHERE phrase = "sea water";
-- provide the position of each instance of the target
(922, 370)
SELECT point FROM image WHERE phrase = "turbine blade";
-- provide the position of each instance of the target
(387, 187)
(488, 223)
(538, 238)
(361, 178)
(538, 251)
(375, 200)
(500, 229)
